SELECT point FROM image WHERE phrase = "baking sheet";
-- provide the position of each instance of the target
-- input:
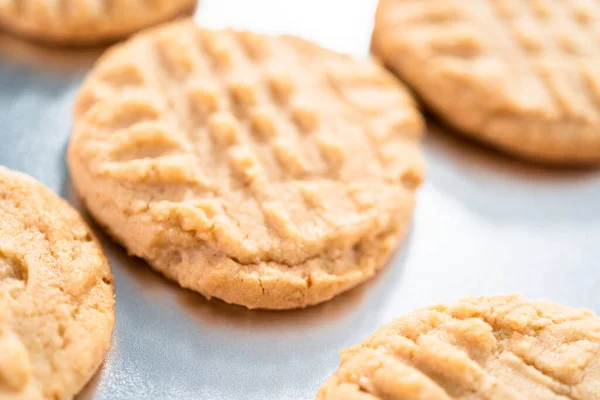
(484, 224)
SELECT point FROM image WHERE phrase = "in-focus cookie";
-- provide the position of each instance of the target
(83, 22)
(265, 171)
(56, 294)
(521, 75)
(503, 347)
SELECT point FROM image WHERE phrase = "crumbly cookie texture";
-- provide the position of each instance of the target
(503, 347)
(520, 75)
(82, 22)
(56, 294)
(261, 170)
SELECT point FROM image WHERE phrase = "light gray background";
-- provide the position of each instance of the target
(484, 224)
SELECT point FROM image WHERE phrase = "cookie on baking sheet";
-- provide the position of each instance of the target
(56, 294)
(84, 22)
(520, 75)
(261, 170)
(503, 347)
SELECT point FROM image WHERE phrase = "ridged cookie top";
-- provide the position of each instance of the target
(268, 149)
(56, 294)
(81, 21)
(510, 71)
(504, 347)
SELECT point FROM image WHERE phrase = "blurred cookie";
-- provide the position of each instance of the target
(504, 347)
(265, 171)
(520, 75)
(56, 294)
(85, 22)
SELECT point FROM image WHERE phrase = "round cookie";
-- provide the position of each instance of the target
(519, 75)
(56, 294)
(85, 22)
(261, 170)
(503, 347)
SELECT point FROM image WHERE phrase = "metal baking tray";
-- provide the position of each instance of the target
(484, 224)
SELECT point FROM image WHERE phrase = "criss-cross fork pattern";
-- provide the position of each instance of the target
(260, 139)
(548, 49)
(505, 348)
(561, 42)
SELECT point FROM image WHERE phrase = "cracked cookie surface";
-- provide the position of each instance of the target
(261, 170)
(56, 294)
(520, 75)
(81, 22)
(502, 347)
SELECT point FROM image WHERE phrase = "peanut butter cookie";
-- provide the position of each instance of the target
(504, 347)
(56, 294)
(85, 22)
(261, 170)
(520, 75)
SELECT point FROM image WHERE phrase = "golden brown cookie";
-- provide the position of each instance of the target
(56, 294)
(261, 170)
(520, 75)
(84, 22)
(503, 347)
